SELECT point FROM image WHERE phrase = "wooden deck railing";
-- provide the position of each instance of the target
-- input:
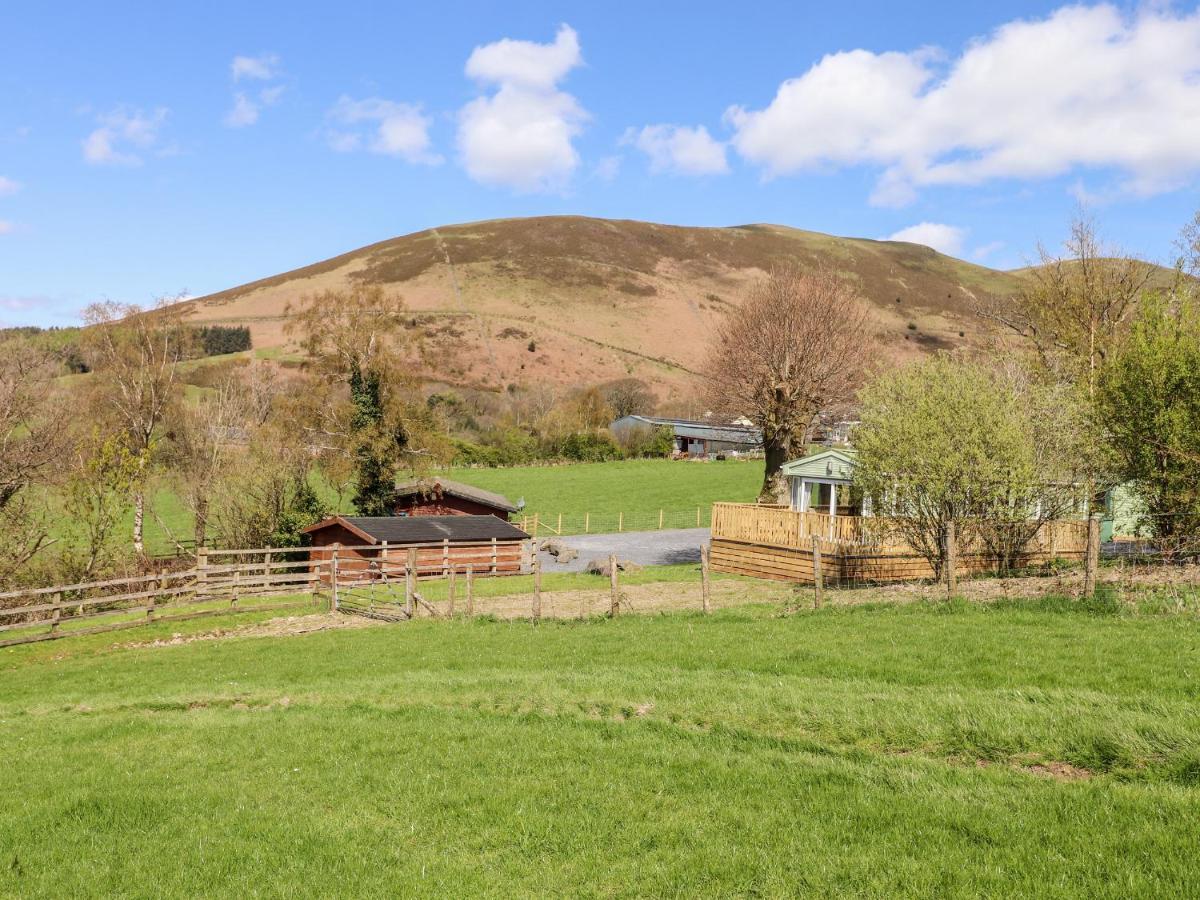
(772, 525)
(779, 526)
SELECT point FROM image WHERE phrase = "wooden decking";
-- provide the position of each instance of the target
(776, 542)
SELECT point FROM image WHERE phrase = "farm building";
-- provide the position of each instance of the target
(443, 497)
(825, 516)
(485, 544)
(694, 438)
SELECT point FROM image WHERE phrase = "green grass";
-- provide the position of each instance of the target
(637, 488)
(878, 751)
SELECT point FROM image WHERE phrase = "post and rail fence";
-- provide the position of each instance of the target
(374, 581)
(539, 524)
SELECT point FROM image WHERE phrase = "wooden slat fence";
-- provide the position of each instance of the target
(773, 541)
(207, 589)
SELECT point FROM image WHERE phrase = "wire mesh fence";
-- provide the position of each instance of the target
(539, 524)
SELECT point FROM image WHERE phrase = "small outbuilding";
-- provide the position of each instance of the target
(485, 544)
(822, 483)
(444, 497)
(692, 438)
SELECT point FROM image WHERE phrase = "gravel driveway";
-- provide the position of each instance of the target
(647, 548)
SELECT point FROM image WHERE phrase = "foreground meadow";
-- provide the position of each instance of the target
(1038, 747)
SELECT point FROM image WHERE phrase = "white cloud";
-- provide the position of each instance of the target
(382, 126)
(8, 186)
(121, 133)
(248, 105)
(264, 67)
(521, 136)
(245, 111)
(946, 239)
(679, 149)
(1085, 87)
(983, 252)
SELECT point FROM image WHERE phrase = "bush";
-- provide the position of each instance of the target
(656, 443)
(509, 447)
(587, 446)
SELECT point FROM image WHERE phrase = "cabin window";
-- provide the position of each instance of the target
(819, 495)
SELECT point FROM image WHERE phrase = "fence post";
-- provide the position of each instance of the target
(202, 567)
(445, 555)
(58, 598)
(470, 591)
(267, 570)
(450, 592)
(587, 522)
(560, 523)
(818, 575)
(1093, 557)
(704, 578)
(237, 574)
(621, 521)
(951, 560)
(537, 589)
(155, 585)
(697, 517)
(333, 579)
(614, 599)
(493, 556)
(410, 581)
(660, 519)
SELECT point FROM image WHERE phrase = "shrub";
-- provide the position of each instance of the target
(216, 340)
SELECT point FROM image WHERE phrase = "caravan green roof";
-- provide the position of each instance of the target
(837, 465)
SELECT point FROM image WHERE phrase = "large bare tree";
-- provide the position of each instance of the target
(204, 434)
(1075, 311)
(135, 355)
(32, 440)
(799, 344)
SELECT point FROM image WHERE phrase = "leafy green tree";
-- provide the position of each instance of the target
(1150, 401)
(944, 441)
(96, 498)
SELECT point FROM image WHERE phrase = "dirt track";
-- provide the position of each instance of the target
(674, 597)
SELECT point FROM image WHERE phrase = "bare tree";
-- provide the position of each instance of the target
(135, 355)
(799, 344)
(32, 439)
(1076, 306)
(1075, 311)
(31, 434)
(203, 435)
(628, 396)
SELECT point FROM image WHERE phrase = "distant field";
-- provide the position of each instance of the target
(1046, 749)
(637, 488)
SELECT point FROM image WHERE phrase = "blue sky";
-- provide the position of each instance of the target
(148, 149)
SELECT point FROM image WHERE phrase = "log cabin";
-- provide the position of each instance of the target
(444, 497)
(483, 543)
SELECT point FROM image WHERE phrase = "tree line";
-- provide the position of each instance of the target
(1091, 380)
(254, 451)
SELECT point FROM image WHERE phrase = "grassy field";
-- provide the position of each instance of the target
(636, 488)
(1027, 748)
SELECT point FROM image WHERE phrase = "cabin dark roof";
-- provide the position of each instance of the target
(434, 486)
(424, 529)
